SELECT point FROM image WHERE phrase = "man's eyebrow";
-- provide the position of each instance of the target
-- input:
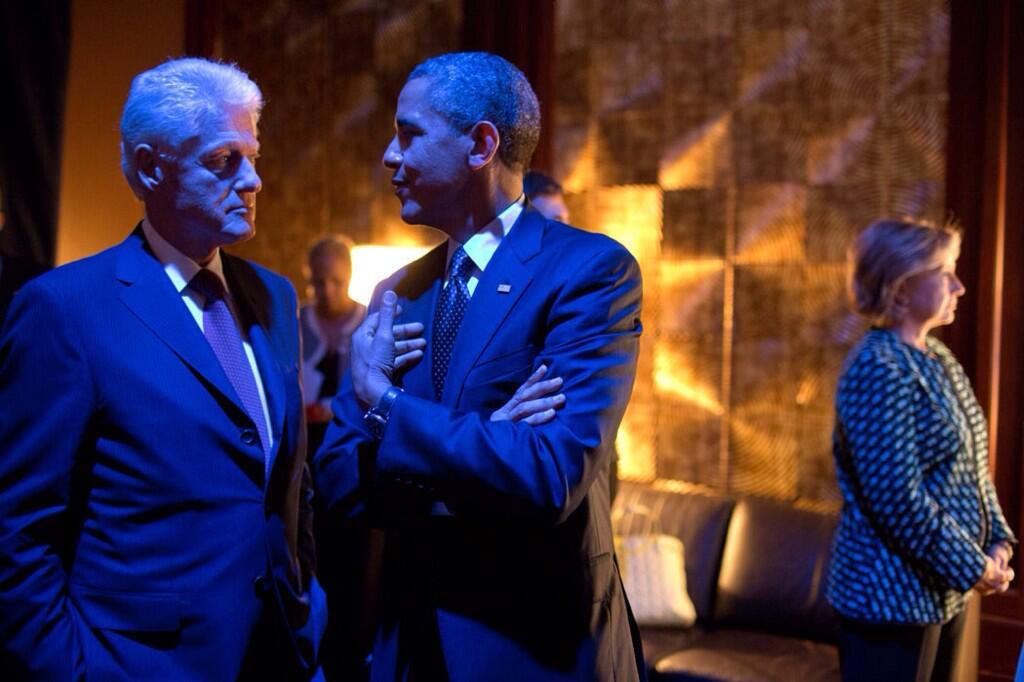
(231, 146)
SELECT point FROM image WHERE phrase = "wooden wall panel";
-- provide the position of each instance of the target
(737, 148)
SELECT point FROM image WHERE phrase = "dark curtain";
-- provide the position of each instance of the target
(985, 171)
(523, 32)
(34, 48)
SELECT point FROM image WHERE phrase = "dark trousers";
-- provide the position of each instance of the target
(899, 653)
(271, 655)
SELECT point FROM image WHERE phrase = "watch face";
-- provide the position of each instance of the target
(375, 424)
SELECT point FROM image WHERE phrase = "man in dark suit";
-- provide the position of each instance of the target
(153, 521)
(498, 562)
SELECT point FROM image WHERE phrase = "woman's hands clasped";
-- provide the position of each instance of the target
(998, 574)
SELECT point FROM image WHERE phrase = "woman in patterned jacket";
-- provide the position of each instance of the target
(920, 525)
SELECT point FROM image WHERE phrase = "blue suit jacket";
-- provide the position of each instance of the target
(139, 537)
(521, 583)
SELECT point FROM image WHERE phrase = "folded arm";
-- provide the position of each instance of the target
(506, 468)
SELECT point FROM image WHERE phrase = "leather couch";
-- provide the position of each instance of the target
(755, 570)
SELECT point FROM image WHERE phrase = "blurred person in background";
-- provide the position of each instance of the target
(347, 557)
(326, 324)
(920, 525)
(546, 195)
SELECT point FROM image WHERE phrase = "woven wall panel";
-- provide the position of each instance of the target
(772, 133)
(330, 71)
(735, 147)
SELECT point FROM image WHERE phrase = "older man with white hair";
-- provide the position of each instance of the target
(153, 519)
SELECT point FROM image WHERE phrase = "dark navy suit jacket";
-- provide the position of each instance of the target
(520, 583)
(139, 537)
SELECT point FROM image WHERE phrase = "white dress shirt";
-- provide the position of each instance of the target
(481, 246)
(180, 269)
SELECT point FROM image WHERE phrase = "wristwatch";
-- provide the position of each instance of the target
(376, 418)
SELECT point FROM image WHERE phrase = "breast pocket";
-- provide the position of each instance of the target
(490, 384)
(129, 611)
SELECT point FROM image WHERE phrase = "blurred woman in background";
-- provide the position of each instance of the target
(326, 323)
(920, 525)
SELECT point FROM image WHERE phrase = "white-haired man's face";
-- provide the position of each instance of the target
(209, 192)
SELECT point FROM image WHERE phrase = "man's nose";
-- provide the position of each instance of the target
(249, 180)
(392, 156)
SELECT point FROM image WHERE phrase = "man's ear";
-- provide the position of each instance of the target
(148, 171)
(486, 141)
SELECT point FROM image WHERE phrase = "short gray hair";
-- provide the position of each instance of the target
(885, 254)
(469, 87)
(170, 102)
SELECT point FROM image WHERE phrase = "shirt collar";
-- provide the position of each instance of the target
(179, 267)
(481, 246)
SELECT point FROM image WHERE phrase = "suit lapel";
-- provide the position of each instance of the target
(149, 294)
(253, 301)
(500, 287)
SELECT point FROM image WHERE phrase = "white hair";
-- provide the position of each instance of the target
(169, 103)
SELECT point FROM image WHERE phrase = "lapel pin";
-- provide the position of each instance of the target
(504, 288)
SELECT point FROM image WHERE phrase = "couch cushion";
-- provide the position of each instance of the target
(742, 656)
(659, 642)
(696, 518)
(773, 571)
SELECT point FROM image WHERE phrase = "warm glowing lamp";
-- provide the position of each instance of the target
(371, 263)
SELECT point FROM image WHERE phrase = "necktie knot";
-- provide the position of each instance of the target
(461, 265)
(208, 285)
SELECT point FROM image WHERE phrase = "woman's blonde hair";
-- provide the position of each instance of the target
(885, 254)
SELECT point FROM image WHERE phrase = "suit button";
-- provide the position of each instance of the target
(261, 585)
(249, 436)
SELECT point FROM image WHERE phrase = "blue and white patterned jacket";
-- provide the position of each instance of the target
(919, 508)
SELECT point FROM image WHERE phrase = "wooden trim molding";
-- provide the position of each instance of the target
(985, 157)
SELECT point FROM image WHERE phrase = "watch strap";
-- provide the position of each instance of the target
(376, 418)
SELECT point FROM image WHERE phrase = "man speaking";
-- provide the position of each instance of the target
(498, 561)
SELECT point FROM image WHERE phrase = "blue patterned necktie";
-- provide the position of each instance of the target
(448, 316)
(222, 333)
